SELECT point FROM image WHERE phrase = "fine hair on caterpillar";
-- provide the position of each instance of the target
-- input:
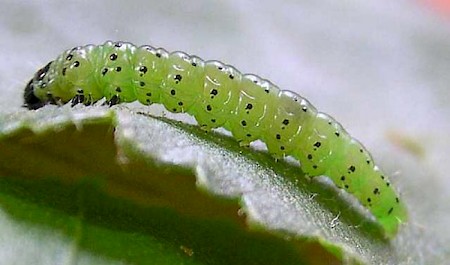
(218, 95)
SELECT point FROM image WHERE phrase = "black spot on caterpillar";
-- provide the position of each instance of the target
(218, 95)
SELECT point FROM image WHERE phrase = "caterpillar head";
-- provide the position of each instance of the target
(31, 101)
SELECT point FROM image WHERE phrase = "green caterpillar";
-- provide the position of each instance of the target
(218, 95)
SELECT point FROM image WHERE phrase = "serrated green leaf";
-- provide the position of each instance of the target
(130, 188)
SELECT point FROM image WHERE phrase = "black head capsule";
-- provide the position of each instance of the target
(31, 101)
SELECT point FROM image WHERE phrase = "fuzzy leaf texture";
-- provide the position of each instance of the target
(94, 185)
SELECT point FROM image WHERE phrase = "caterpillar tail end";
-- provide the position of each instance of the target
(393, 223)
(30, 99)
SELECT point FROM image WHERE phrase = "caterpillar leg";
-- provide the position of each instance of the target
(114, 100)
(205, 127)
(244, 143)
(79, 98)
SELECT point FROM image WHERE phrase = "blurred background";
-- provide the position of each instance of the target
(381, 67)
